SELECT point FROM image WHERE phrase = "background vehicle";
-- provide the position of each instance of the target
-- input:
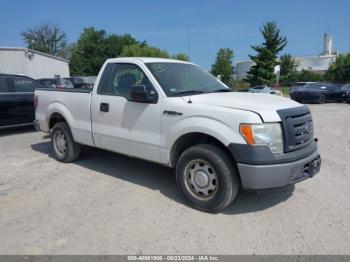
(346, 91)
(318, 93)
(297, 85)
(264, 90)
(82, 81)
(217, 140)
(55, 83)
(17, 100)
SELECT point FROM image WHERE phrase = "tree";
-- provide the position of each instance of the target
(339, 70)
(114, 44)
(223, 65)
(180, 56)
(288, 71)
(262, 72)
(143, 51)
(67, 51)
(308, 76)
(94, 47)
(47, 38)
(89, 54)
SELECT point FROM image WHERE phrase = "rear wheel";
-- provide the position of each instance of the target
(64, 148)
(207, 178)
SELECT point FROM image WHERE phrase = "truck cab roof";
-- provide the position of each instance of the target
(145, 60)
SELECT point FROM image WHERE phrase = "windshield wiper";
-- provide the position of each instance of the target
(221, 90)
(189, 92)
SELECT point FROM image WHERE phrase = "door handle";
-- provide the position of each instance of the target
(104, 107)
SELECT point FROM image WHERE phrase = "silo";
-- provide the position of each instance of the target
(327, 45)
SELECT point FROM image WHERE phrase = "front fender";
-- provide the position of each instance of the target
(199, 124)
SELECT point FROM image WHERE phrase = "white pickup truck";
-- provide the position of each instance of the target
(176, 114)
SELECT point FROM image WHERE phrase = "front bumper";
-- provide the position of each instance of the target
(279, 175)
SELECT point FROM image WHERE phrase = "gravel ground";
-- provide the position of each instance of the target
(106, 203)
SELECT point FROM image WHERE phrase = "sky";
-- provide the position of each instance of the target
(204, 26)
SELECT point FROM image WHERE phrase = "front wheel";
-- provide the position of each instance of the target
(207, 178)
(64, 148)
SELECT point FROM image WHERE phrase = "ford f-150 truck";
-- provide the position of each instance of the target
(174, 113)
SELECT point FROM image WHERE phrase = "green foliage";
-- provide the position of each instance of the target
(240, 86)
(94, 47)
(223, 65)
(266, 58)
(67, 51)
(308, 76)
(339, 70)
(46, 38)
(143, 51)
(180, 56)
(288, 74)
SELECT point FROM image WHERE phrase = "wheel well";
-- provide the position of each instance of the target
(193, 139)
(55, 118)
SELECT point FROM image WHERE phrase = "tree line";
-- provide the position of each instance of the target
(266, 58)
(94, 46)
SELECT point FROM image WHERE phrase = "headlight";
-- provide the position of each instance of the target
(269, 134)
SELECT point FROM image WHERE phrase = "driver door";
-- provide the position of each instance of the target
(119, 124)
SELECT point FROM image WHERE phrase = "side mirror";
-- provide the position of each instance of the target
(140, 94)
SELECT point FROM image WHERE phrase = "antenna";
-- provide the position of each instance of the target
(188, 43)
(189, 59)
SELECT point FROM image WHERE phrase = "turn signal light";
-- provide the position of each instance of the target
(247, 132)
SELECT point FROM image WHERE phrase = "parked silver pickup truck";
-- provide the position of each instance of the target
(176, 114)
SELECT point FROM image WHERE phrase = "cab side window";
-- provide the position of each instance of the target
(118, 80)
(23, 84)
(3, 85)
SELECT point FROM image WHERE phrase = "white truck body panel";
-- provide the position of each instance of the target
(128, 127)
(75, 108)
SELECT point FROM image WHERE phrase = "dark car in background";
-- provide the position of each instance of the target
(318, 93)
(17, 100)
(298, 85)
(346, 92)
(55, 83)
(82, 81)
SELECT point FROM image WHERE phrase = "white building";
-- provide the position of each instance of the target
(317, 64)
(28, 62)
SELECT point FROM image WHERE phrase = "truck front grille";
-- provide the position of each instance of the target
(297, 128)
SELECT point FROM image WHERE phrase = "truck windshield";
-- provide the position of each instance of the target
(180, 79)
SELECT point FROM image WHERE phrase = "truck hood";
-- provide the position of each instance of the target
(265, 105)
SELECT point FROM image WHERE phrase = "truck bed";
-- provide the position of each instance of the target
(74, 104)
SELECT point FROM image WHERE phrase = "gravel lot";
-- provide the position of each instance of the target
(106, 203)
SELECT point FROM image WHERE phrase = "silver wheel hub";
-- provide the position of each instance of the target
(201, 179)
(60, 142)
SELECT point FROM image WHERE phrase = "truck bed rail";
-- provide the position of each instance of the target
(71, 90)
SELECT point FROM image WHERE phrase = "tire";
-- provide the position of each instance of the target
(64, 148)
(197, 169)
(321, 99)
